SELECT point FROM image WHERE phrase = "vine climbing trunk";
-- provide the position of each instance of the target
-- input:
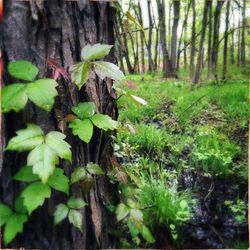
(36, 31)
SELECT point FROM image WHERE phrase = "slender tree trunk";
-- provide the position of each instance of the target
(215, 47)
(239, 44)
(202, 39)
(141, 38)
(176, 7)
(232, 58)
(167, 68)
(243, 40)
(125, 45)
(156, 49)
(210, 27)
(59, 30)
(224, 71)
(150, 34)
(183, 31)
(193, 40)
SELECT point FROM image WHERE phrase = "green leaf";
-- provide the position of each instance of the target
(80, 73)
(42, 93)
(43, 160)
(133, 20)
(59, 181)
(75, 218)
(76, 203)
(83, 129)
(23, 70)
(110, 70)
(136, 214)
(87, 183)
(14, 226)
(55, 140)
(25, 174)
(14, 97)
(77, 174)
(96, 51)
(94, 169)
(104, 122)
(183, 204)
(34, 195)
(84, 109)
(5, 213)
(19, 205)
(146, 234)
(121, 211)
(26, 139)
(61, 213)
(133, 227)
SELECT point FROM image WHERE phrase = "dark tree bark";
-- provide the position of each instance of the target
(59, 30)
(202, 39)
(193, 40)
(243, 39)
(224, 70)
(167, 67)
(176, 7)
(215, 46)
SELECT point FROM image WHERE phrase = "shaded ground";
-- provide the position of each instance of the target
(198, 141)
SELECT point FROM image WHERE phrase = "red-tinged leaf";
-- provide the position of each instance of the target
(56, 69)
(62, 125)
(70, 118)
(132, 84)
(55, 74)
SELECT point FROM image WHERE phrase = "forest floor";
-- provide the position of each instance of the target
(185, 158)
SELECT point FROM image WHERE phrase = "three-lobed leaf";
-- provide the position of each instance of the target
(96, 51)
(26, 139)
(25, 174)
(76, 203)
(60, 213)
(14, 226)
(19, 205)
(83, 129)
(43, 159)
(5, 213)
(75, 218)
(14, 97)
(55, 140)
(104, 122)
(84, 109)
(80, 73)
(42, 93)
(94, 169)
(23, 70)
(34, 195)
(59, 181)
(77, 174)
(110, 70)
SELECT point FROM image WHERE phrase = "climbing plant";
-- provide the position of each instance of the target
(42, 172)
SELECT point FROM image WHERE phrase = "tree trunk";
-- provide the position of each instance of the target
(141, 39)
(215, 47)
(210, 27)
(232, 44)
(59, 30)
(193, 39)
(176, 7)
(201, 46)
(150, 60)
(224, 71)
(243, 40)
(167, 68)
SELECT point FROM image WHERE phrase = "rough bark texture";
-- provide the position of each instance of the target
(59, 30)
